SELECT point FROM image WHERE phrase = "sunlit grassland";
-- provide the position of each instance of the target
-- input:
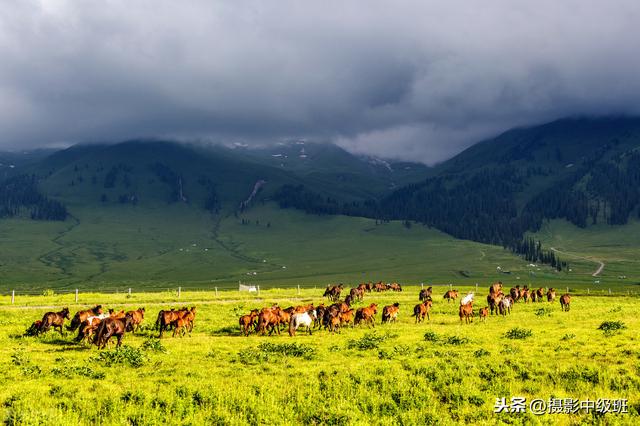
(387, 375)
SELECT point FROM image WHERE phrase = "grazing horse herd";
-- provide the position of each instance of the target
(499, 303)
(96, 326)
(341, 314)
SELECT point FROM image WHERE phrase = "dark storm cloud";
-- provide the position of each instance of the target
(410, 79)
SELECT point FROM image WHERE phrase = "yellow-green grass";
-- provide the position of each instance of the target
(216, 376)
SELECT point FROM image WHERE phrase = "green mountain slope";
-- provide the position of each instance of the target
(586, 171)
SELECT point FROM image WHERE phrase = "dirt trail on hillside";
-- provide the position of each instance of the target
(600, 263)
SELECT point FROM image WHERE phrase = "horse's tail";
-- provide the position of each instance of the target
(75, 323)
(158, 323)
(292, 327)
(98, 333)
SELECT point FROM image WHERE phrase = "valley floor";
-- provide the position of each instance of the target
(121, 247)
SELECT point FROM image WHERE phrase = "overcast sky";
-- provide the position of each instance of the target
(417, 80)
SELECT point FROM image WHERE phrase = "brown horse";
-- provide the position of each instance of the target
(110, 327)
(483, 313)
(551, 295)
(366, 315)
(451, 295)
(269, 318)
(53, 319)
(165, 318)
(422, 310)
(248, 321)
(395, 287)
(137, 317)
(347, 317)
(540, 294)
(184, 322)
(356, 293)
(493, 300)
(466, 312)
(390, 313)
(81, 316)
(380, 286)
(495, 288)
(565, 301)
(333, 292)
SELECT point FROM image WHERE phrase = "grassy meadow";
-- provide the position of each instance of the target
(439, 372)
(156, 248)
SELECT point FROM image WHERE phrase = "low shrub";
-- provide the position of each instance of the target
(518, 333)
(369, 341)
(125, 354)
(611, 327)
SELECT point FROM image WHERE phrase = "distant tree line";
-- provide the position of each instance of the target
(532, 251)
(20, 194)
(483, 206)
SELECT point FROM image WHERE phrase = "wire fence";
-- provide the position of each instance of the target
(76, 294)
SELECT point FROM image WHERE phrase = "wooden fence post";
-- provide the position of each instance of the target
(298, 289)
(609, 291)
(421, 285)
(129, 291)
(76, 295)
(258, 290)
(179, 291)
(13, 296)
(476, 287)
(216, 291)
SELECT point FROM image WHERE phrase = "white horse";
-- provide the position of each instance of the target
(304, 319)
(467, 299)
(505, 306)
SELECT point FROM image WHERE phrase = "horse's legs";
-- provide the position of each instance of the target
(119, 340)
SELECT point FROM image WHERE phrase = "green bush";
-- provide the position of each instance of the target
(518, 333)
(611, 327)
(369, 341)
(153, 344)
(543, 312)
(431, 336)
(125, 354)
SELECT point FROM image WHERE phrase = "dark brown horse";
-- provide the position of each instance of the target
(551, 295)
(425, 294)
(110, 327)
(53, 319)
